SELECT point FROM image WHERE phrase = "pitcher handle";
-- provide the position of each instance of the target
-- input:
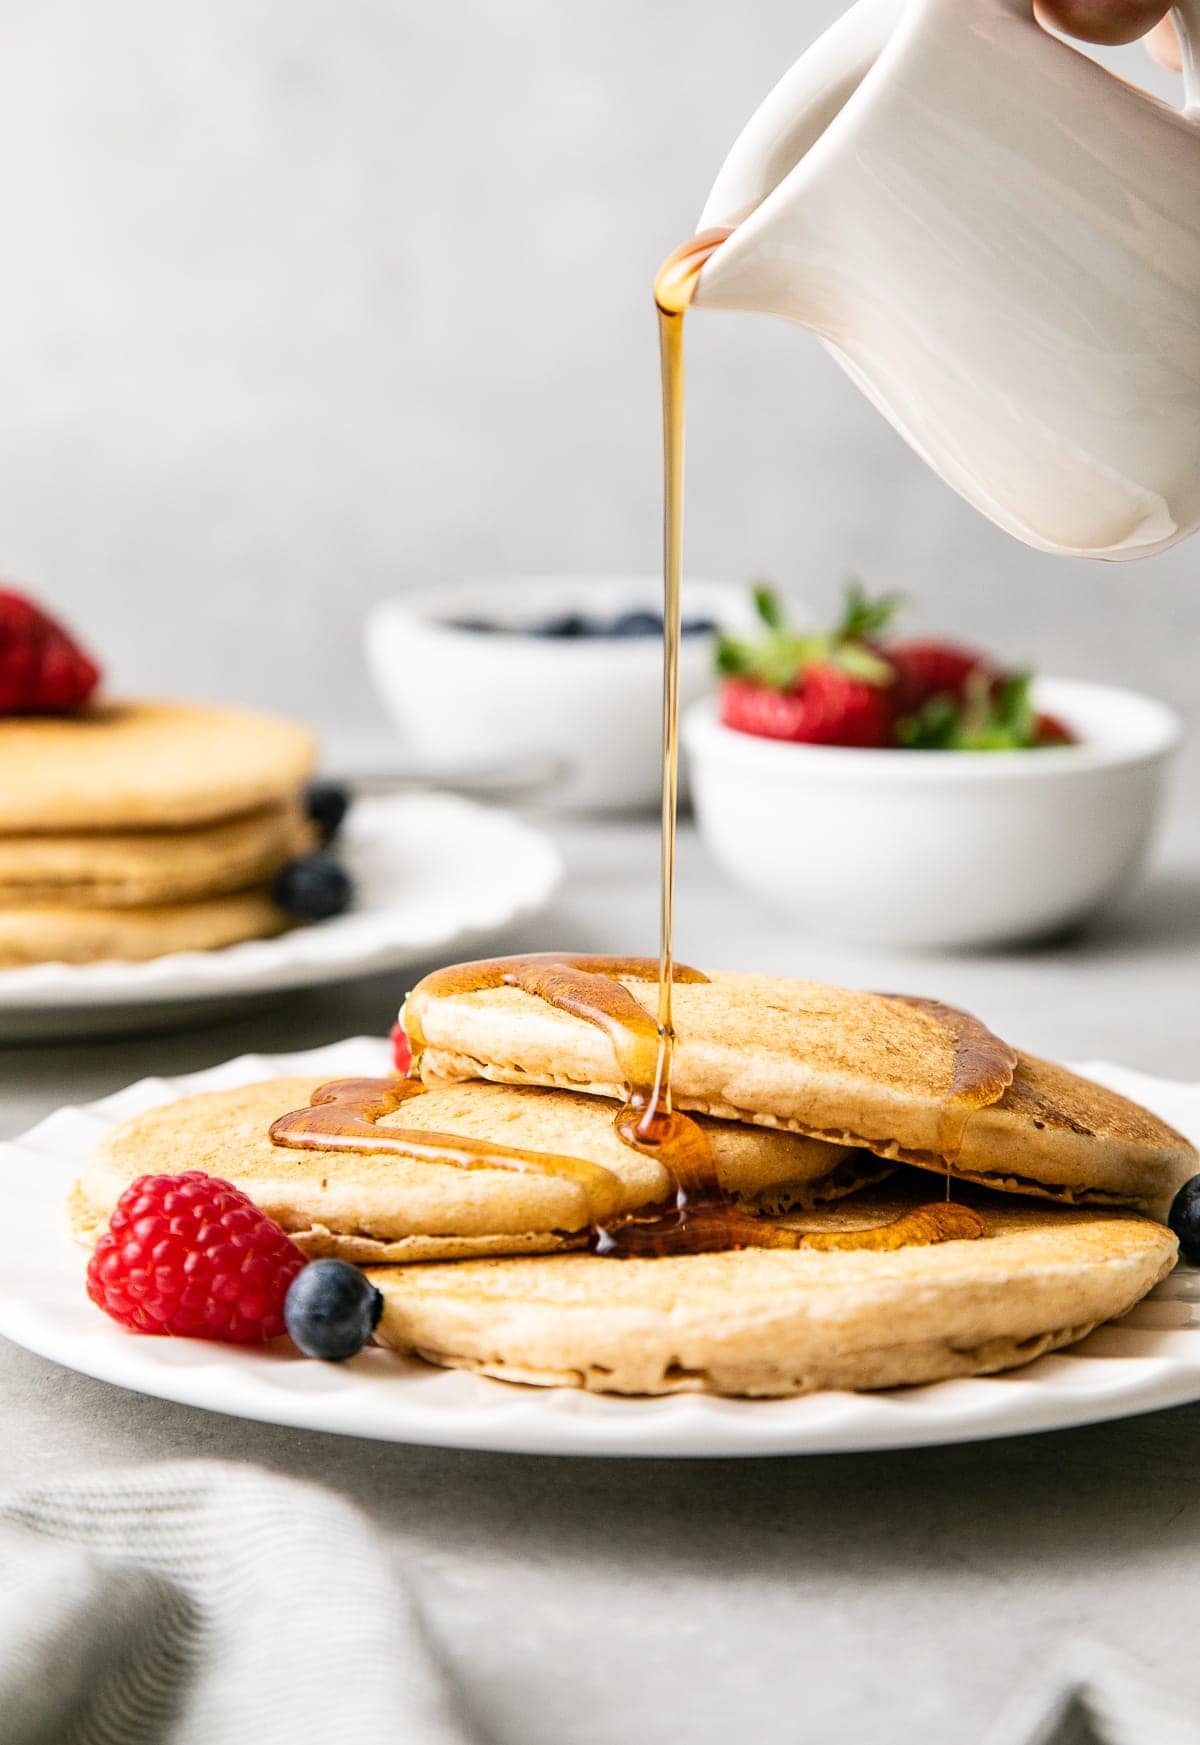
(1186, 17)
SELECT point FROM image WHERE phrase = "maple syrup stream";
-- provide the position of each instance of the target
(674, 288)
(698, 1216)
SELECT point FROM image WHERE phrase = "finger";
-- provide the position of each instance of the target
(1106, 21)
(1163, 44)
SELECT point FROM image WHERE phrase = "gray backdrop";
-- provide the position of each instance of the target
(307, 301)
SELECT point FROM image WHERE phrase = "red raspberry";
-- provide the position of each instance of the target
(192, 1255)
(827, 707)
(401, 1049)
(42, 671)
(932, 668)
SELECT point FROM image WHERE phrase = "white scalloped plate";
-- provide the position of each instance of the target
(1148, 1360)
(431, 871)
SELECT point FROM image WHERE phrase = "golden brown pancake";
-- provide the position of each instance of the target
(70, 933)
(770, 1322)
(850, 1067)
(1064, 1137)
(361, 1206)
(912, 1081)
(134, 868)
(146, 765)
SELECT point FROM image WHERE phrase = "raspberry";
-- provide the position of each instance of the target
(42, 670)
(193, 1256)
(401, 1049)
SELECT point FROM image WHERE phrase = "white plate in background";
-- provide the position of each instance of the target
(1149, 1359)
(432, 871)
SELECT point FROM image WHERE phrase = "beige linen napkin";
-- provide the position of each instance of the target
(205, 1603)
(202, 1603)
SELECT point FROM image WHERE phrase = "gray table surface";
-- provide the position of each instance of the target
(884, 1598)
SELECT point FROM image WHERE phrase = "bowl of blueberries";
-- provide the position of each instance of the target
(555, 674)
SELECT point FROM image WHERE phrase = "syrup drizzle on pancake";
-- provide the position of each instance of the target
(983, 1068)
(345, 1113)
(344, 1116)
(699, 1218)
(590, 988)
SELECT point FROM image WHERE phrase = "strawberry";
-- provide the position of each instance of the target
(830, 689)
(847, 687)
(750, 707)
(830, 708)
(843, 710)
(42, 671)
(929, 667)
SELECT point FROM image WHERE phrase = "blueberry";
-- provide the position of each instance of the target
(1184, 1219)
(475, 625)
(331, 1310)
(637, 623)
(698, 627)
(567, 624)
(312, 888)
(326, 804)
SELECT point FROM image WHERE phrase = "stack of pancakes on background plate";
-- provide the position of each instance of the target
(135, 829)
(817, 1102)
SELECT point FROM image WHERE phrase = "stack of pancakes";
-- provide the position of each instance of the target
(825, 1110)
(134, 829)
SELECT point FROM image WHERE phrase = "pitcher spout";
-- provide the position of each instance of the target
(768, 189)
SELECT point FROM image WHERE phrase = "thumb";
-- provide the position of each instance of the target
(1104, 21)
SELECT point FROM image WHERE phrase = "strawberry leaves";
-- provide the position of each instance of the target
(994, 715)
(782, 657)
(768, 606)
(864, 618)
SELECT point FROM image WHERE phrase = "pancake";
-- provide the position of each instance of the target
(139, 867)
(365, 1207)
(146, 766)
(60, 933)
(857, 1069)
(1061, 1136)
(911, 1080)
(770, 1322)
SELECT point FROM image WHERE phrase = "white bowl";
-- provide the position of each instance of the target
(588, 709)
(939, 848)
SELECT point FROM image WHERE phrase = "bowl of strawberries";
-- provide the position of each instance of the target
(914, 792)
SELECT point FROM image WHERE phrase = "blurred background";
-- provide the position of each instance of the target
(308, 303)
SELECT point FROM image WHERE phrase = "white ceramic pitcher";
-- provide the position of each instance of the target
(1000, 242)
